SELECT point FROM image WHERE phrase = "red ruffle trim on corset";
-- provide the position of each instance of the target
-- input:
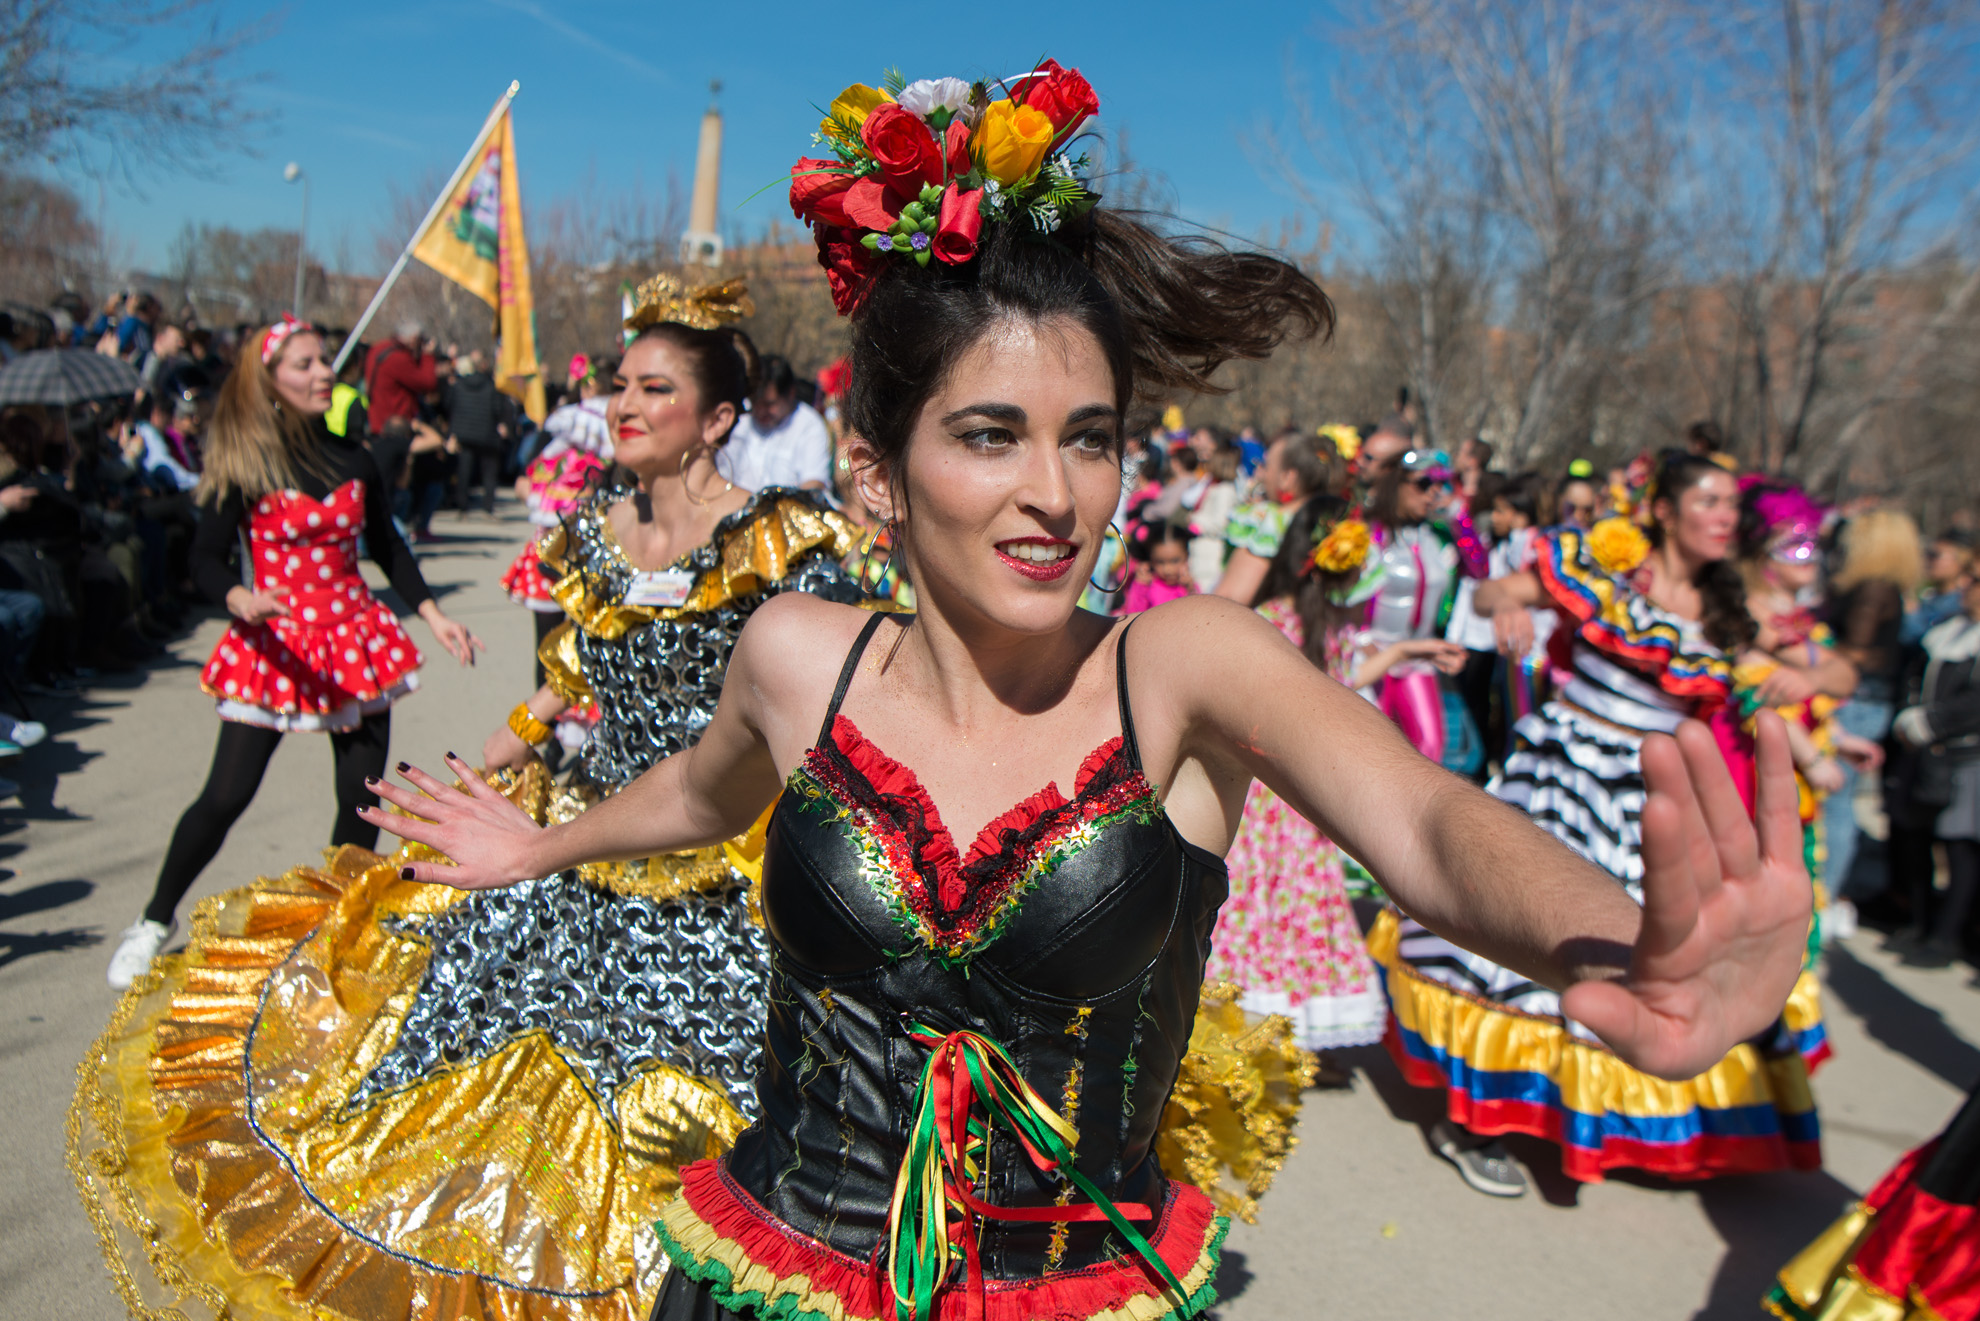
(524, 579)
(337, 655)
(1921, 1243)
(720, 1235)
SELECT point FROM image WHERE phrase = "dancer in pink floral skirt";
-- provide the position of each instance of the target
(1287, 936)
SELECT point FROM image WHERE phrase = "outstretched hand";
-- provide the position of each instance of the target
(1726, 907)
(485, 837)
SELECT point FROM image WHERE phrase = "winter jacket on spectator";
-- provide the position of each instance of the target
(398, 376)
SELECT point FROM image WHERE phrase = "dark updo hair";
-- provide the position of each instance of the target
(1142, 538)
(1724, 619)
(722, 362)
(1522, 492)
(1166, 312)
(1315, 596)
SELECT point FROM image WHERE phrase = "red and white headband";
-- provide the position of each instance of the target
(278, 334)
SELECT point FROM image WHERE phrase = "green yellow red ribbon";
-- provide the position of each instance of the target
(934, 1212)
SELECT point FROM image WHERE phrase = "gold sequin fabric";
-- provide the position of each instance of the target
(226, 1148)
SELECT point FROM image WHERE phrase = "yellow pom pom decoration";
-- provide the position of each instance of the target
(1343, 549)
(1618, 545)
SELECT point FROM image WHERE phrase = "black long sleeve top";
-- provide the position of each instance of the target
(220, 524)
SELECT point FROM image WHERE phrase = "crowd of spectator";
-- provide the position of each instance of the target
(99, 499)
(1900, 827)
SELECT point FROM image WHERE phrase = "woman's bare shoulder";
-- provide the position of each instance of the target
(795, 634)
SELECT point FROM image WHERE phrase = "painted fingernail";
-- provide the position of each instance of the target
(370, 782)
(404, 766)
(452, 757)
(405, 873)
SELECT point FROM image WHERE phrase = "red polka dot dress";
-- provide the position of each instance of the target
(558, 480)
(339, 654)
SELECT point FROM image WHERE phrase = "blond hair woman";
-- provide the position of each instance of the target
(310, 647)
(1882, 562)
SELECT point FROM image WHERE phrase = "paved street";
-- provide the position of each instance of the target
(1364, 1220)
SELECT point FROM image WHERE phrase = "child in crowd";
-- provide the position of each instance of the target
(1161, 567)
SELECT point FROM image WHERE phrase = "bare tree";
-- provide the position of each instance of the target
(51, 244)
(1857, 112)
(183, 107)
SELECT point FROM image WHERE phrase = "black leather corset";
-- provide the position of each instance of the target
(1077, 945)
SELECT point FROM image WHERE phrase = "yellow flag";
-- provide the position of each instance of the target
(477, 242)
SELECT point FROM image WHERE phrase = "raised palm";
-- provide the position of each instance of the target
(1725, 909)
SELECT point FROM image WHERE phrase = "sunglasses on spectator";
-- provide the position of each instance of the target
(1428, 483)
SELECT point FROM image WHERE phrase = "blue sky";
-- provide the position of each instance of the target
(369, 95)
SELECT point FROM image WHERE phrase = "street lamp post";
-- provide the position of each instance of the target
(292, 173)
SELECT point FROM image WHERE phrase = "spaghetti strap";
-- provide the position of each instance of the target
(1128, 743)
(846, 675)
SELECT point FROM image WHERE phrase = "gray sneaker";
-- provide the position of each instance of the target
(1483, 1165)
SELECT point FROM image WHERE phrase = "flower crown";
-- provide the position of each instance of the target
(917, 168)
(1783, 508)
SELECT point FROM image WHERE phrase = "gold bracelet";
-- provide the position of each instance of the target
(526, 726)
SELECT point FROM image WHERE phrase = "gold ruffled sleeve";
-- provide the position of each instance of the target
(753, 555)
(561, 666)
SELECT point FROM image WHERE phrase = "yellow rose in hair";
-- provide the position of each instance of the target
(1345, 547)
(849, 111)
(1618, 545)
(1012, 140)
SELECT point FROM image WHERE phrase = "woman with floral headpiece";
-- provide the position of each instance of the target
(970, 1047)
(1793, 666)
(1651, 623)
(310, 647)
(1287, 937)
(441, 1104)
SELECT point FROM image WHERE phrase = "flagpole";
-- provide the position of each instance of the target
(440, 202)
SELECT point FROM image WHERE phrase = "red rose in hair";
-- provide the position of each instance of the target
(956, 145)
(1065, 97)
(961, 222)
(902, 145)
(848, 267)
(870, 204)
(818, 192)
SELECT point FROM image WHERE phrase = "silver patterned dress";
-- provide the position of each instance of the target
(625, 965)
(354, 1096)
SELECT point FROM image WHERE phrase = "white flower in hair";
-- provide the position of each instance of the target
(925, 97)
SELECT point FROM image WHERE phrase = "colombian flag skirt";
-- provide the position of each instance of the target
(1503, 1071)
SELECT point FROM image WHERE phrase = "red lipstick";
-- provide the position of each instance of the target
(1043, 571)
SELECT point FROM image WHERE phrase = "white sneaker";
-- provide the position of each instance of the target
(140, 945)
(27, 733)
(1838, 921)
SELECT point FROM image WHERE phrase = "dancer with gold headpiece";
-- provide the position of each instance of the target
(356, 1096)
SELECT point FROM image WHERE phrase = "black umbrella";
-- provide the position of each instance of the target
(65, 376)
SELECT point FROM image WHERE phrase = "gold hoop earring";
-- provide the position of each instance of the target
(687, 462)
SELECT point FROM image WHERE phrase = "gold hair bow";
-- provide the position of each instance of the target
(664, 298)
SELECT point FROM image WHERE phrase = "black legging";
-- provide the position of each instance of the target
(240, 759)
(1940, 919)
(485, 464)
